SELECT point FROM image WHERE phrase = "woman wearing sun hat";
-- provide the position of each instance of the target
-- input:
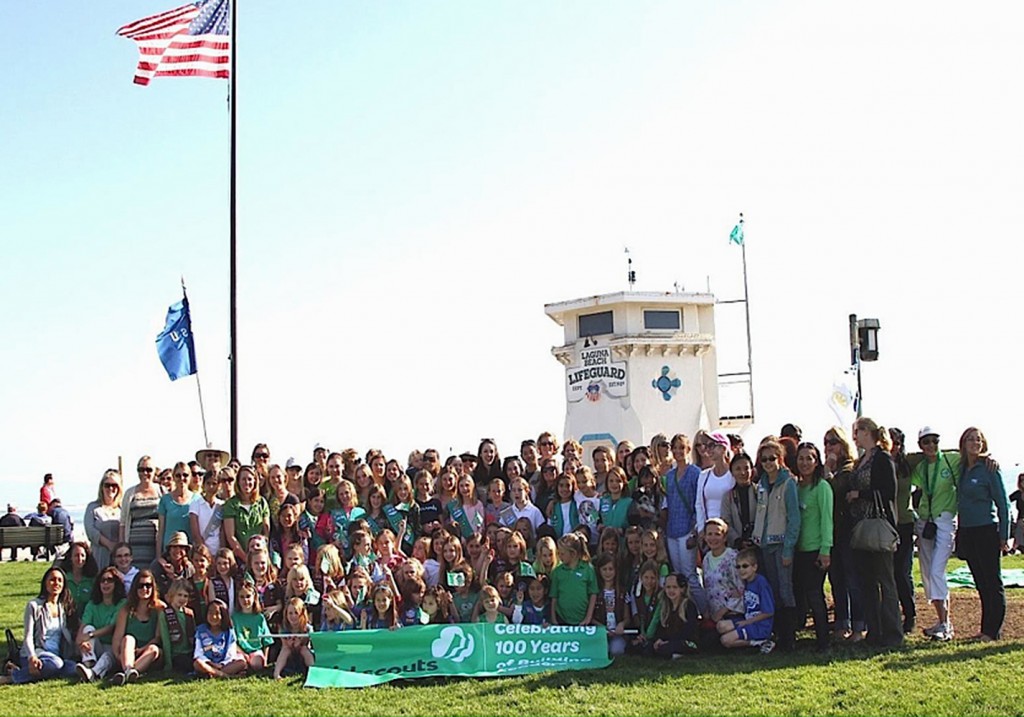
(173, 564)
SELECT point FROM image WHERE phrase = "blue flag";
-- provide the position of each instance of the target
(174, 344)
(736, 235)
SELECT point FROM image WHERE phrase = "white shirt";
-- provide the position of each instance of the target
(711, 490)
(210, 518)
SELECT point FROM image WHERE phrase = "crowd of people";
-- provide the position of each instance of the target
(214, 568)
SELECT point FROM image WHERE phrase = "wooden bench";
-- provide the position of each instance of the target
(32, 536)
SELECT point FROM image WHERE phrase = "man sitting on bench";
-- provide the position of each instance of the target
(11, 519)
(39, 519)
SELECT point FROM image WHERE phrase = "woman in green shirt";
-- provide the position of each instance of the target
(136, 640)
(246, 514)
(813, 554)
(96, 635)
(80, 567)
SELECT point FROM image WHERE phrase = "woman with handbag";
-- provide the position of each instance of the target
(872, 513)
(984, 531)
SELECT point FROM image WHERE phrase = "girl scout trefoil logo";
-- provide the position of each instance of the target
(453, 644)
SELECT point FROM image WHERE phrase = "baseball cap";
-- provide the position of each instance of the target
(926, 431)
(719, 438)
(292, 463)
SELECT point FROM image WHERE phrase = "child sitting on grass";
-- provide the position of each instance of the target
(755, 629)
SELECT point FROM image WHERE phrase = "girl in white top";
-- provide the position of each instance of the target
(714, 483)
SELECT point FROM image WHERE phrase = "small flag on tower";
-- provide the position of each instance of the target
(736, 235)
(174, 344)
(189, 41)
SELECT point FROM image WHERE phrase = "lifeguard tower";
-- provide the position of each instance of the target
(637, 364)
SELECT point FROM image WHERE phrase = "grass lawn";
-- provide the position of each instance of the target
(958, 678)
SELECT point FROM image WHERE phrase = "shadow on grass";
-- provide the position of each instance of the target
(630, 670)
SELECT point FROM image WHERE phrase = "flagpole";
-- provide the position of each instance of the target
(233, 230)
(746, 308)
(202, 410)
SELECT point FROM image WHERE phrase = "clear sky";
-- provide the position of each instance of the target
(417, 179)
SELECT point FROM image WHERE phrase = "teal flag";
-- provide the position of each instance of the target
(360, 658)
(736, 236)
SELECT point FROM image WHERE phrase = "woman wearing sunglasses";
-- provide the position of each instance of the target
(872, 494)
(842, 575)
(103, 517)
(776, 530)
(96, 635)
(136, 638)
(140, 520)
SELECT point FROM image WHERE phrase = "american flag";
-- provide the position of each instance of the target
(191, 40)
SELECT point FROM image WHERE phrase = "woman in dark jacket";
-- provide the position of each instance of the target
(873, 484)
(842, 574)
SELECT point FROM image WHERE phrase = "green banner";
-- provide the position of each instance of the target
(359, 658)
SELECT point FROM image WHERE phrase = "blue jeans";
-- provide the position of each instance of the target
(53, 666)
(684, 562)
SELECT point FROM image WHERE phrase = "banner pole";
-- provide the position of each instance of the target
(202, 411)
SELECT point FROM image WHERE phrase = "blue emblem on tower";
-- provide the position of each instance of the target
(667, 383)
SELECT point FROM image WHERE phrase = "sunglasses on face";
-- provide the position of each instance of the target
(108, 579)
(929, 441)
(145, 586)
(144, 470)
(261, 455)
(832, 441)
(115, 486)
(744, 565)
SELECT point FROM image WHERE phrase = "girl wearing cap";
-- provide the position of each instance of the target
(935, 478)
(103, 517)
(984, 530)
(714, 483)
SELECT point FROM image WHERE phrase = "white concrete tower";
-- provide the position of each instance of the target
(637, 364)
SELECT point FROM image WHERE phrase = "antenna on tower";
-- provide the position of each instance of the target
(630, 274)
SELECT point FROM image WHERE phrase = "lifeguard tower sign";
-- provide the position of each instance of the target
(598, 376)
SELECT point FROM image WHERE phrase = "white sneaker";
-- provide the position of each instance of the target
(767, 646)
(945, 634)
(934, 629)
(84, 672)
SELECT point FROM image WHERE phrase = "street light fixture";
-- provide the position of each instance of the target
(863, 347)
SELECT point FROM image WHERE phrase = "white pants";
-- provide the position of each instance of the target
(934, 554)
(684, 562)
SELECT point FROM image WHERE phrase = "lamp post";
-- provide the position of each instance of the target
(863, 347)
